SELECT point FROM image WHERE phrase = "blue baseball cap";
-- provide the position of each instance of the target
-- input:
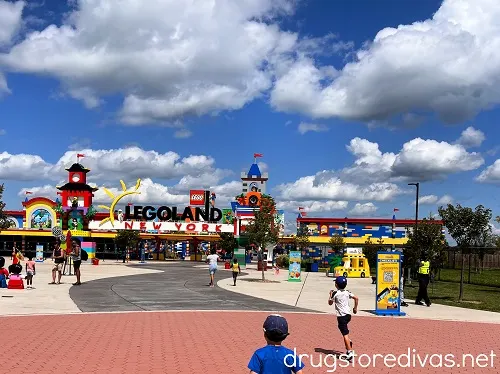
(276, 325)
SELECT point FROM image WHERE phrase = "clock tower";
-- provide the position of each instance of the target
(77, 193)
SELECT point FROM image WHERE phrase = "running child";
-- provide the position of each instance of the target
(30, 271)
(236, 270)
(275, 358)
(341, 298)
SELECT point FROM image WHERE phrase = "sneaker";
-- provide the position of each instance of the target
(418, 303)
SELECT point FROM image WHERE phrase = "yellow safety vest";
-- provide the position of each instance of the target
(424, 267)
(236, 267)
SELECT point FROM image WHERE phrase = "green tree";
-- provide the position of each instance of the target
(301, 240)
(427, 238)
(468, 227)
(262, 230)
(337, 243)
(370, 250)
(227, 242)
(126, 239)
(4, 222)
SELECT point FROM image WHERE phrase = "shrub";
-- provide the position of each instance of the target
(282, 261)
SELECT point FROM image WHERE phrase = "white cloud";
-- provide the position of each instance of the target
(114, 164)
(183, 134)
(48, 191)
(433, 199)
(445, 200)
(455, 56)
(324, 186)
(312, 206)
(150, 193)
(22, 167)
(178, 58)
(10, 20)
(491, 174)
(418, 159)
(471, 137)
(311, 127)
(363, 209)
(4, 88)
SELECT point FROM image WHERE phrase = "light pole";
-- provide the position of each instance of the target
(416, 216)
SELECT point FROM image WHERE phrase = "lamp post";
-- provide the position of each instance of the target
(416, 216)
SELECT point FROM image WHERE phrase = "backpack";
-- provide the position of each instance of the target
(85, 255)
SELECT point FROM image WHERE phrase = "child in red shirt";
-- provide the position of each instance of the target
(4, 273)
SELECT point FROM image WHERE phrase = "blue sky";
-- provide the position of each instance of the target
(126, 86)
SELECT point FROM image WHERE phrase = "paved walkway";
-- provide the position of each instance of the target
(222, 343)
(182, 286)
(192, 342)
(312, 293)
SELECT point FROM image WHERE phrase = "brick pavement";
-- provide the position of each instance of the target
(205, 342)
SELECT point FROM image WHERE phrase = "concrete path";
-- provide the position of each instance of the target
(183, 286)
(312, 293)
(55, 299)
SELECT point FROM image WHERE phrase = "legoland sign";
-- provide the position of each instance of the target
(164, 218)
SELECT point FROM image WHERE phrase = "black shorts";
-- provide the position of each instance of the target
(343, 321)
(76, 264)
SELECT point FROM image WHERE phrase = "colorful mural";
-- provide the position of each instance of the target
(41, 219)
(227, 216)
(75, 220)
(14, 223)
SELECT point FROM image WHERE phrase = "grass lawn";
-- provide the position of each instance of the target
(475, 296)
(486, 278)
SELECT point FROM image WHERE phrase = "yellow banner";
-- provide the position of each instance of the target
(80, 233)
(388, 280)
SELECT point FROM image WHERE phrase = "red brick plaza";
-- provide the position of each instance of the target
(222, 342)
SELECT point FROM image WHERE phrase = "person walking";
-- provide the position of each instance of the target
(423, 282)
(212, 265)
(57, 268)
(77, 259)
(236, 270)
(30, 272)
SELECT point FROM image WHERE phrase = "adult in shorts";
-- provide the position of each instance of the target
(58, 257)
(212, 265)
(76, 253)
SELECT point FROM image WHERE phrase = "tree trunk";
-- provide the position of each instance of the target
(470, 263)
(263, 263)
(462, 271)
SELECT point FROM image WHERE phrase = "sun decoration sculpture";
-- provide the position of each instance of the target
(116, 199)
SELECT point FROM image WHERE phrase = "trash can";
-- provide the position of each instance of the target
(260, 265)
(227, 265)
(95, 261)
(314, 267)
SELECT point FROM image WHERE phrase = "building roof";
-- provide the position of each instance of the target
(78, 167)
(77, 187)
(373, 221)
(254, 171)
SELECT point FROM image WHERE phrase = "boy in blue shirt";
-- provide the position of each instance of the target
(275, 358)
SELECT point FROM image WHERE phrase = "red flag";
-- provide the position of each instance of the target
(396, 209)
(130, 204)
(256, 155)
(80, 155)
(28, 192)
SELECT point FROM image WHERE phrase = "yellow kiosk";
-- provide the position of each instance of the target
(354, 264)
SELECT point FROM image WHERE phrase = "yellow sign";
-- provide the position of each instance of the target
(388, 282)
(80, 233)
(116, 199)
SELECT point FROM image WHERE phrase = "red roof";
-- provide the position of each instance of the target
(374, 221)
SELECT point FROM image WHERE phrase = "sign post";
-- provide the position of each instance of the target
(39, 253)
(388, 298)
(294, 271)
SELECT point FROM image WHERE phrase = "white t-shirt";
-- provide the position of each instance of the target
(341, 300)
(212, 260)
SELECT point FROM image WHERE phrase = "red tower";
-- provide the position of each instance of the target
(77, 193)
